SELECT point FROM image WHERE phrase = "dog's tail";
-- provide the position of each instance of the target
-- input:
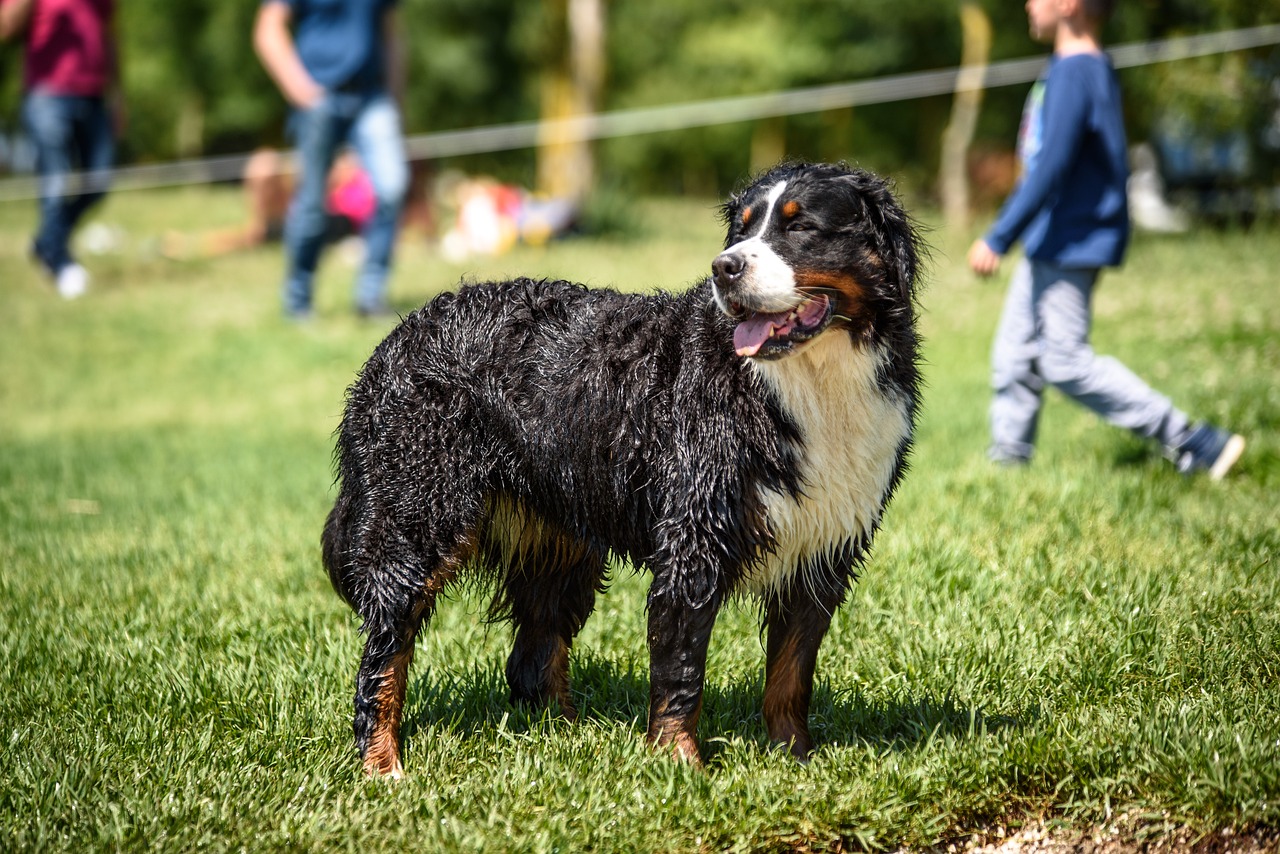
(335, 543)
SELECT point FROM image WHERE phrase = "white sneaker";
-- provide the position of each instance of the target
(73, 281)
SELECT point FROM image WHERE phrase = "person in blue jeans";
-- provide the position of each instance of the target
(338, 68)
(71, 111)
(1070, 209)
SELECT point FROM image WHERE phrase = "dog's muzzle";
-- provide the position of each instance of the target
(727, 273)
(727, 269)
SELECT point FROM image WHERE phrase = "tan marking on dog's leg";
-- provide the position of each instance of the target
(786, 698)
(557, 678)
(677, 735)
(383, 754)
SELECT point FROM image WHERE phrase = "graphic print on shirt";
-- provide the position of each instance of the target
(1031, 129)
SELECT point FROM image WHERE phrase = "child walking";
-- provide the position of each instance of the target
(1070, 210)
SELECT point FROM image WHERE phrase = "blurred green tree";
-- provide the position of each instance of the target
(194, 85)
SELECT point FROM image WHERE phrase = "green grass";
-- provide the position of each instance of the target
(1094, 641)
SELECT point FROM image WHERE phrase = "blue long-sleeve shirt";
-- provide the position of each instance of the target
(1070, 206)
(340, 41)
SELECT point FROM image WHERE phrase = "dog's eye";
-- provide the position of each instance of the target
(799, 225)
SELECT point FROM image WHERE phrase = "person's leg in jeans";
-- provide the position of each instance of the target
(378, 142)
(1015, 406)
(95, 144)
(49, 123)
(1061, 300)
(319, 132)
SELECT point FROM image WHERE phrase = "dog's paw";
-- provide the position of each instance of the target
(382, 759)
(384, 770)
(681, 746)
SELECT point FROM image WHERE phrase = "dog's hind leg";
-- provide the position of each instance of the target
(393, 610)
(548, 604)
(380, 691)
(797, 620)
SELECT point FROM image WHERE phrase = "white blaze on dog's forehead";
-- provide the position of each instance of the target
(852, 430)
(775, 193)
(767, 278)
(771, 201)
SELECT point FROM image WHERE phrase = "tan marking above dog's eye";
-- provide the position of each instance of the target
(790, 209)
(746, 215)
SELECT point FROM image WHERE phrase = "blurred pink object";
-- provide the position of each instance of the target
(353, 198)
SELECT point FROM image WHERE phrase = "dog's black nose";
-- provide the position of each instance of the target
(727, 267)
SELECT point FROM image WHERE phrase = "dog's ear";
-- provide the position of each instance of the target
(896, 237)
(901, 243)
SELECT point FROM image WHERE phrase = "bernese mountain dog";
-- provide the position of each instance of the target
(741, 437)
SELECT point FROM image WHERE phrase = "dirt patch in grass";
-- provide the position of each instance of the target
(1122, 837)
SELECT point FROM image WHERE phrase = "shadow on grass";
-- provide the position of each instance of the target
(476, 703)
(1134, 455)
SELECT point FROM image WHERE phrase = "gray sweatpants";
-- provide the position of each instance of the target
(1043, 337)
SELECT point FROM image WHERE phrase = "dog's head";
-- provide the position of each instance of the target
(813, 248)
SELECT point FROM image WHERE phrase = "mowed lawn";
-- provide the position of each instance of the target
(1089, 647)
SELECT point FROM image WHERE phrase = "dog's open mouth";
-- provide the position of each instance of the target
(765, 334)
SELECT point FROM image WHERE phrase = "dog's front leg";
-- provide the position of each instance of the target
(679, 632)
(797, 619)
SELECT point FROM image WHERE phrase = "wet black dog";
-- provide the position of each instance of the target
(743, 436)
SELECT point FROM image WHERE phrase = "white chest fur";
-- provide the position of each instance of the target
(852, 431)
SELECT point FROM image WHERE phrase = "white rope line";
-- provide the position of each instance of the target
(620, 123)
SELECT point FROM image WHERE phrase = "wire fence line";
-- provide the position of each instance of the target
(670, 117)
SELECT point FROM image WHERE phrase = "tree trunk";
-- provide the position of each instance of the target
(953, 177)
(571, 86)
(189, 133)
(768, 143)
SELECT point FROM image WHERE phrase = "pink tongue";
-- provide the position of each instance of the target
(751, 334)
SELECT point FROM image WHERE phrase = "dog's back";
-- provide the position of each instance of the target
(535, 401)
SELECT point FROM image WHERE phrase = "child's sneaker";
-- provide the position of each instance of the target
(72, 281)
(1208, 448)
(1005, 458)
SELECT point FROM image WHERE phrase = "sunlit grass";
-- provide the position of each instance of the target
(1092, 637)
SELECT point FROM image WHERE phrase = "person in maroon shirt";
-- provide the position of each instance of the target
(71, 111)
